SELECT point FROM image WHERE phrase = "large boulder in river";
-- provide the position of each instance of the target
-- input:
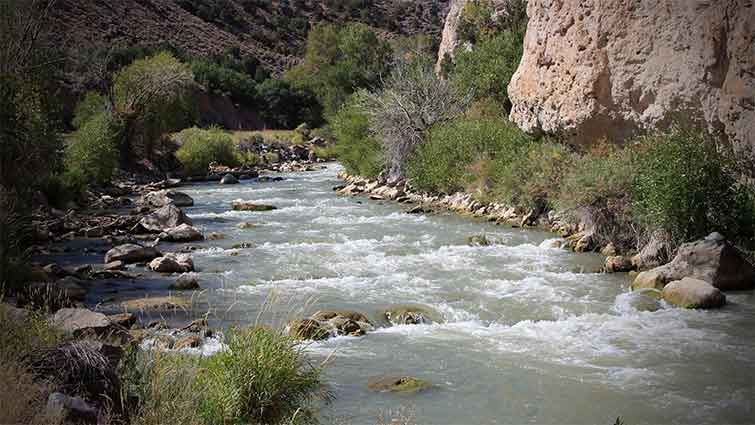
(612, 69)
(165, 197)
(182, 233)
(693, 293)
(713, 260)
(131, 253)
(229, 179)
(412, 315)
(250, 206)
(165, 218)
(172, 263)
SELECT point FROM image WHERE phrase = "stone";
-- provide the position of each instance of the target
(63, 409)
(191, 341)
(229, 179)
(595, 70)
(186, 282)
(172, 263)
(155, 303)
(165, 218)
(249, 206)
(403, 384)
(215, 236)
(324, 315)
(645, 300)
(307, 329)
(411, 315)
(246, 226)
(115, 265)
(165, 197)
(693, 293)
(712, 259)
(617, 264)
(182, 233)
(125, 320)
(77, 320)
(478, 240)
(609, 250)
(655, 253)
(131, 253)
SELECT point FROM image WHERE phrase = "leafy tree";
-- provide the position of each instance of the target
(356, 148)
(92, 157)
(283, 106)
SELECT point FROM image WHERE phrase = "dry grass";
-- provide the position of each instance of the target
(22, 399)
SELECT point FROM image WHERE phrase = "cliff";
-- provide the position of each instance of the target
(596, 68)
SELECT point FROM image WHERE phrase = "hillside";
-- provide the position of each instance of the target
(274, 31)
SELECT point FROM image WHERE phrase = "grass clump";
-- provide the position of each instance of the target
(263, 377)
(200, 148)
(356, 147)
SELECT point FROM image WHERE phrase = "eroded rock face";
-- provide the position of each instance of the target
(450, 40)
(594, 69)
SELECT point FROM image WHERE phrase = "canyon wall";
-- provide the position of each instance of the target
(616, 68)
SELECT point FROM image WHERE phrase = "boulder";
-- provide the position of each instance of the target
(131, 253)
(411, 315)
(403, 384)
(229, 179)
(324, 315)
(115, 265)
(63, 409)
(617, 264)
(645, 300)
(595, 70)
(162, 198)
(155, 303)
(191, 341)
(172, 263)
(77, 320)
(186, 282)
(165, 218)
(713, 260)
(249, 206)
(693, 293)
(125, 320)
(655, 253)
(307, 329)
(478, 240)
(182, 233)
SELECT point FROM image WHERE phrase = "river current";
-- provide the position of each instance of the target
(531, 334)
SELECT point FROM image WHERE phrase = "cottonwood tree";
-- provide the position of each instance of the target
(412, 100)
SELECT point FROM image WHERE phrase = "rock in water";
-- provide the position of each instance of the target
(693, 293)
(713, 260)
(162, 198)
(412, 315)
(403, 384)
(182, 233)
(229, 179)
(307, 329)
(249, 206)
(165, 218)
(172, 263)
(595, 69)
(186, 282)
(131, 253)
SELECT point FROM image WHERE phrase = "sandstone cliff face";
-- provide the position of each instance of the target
(450, 39)
(610, 68)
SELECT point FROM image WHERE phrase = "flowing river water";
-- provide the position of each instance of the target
(530, 334)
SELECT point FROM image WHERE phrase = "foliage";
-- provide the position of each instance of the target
(444, 162)
(92, 157)
(412, 101)
(223, 80)
(93, 104)
(688, 186)
(285, 106)
(339, 61)
(263, 377)
(356, 148)
(531, 177)
(201, 147)
(487, 69)
(479, 19)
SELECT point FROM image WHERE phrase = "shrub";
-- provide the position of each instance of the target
(530, 179)
(223, 80)
(355, 148)
(201, 147)
(92, 156)
(283, 106)
(689, 187)
(444, 162)
(93, 104)
(263, 377)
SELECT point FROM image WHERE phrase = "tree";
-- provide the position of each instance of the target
(412, 100)
(283, 106)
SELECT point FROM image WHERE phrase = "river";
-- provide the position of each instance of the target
(530, 334)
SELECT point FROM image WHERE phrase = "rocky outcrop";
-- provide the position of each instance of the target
(450, 39)
(594, 69)
(713, 260)
(693, 293)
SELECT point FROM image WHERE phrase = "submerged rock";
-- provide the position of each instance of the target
(478, 240)
(412, 315)
(249, 206)
(229, 179)
(131, 253)
(693, 293)
(404, 384)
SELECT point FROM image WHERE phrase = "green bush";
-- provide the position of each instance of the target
(92, 104)
(92, 157)
(218, 78)
(285, 106)
(201, 147)
(446, 161)
(356, 148)
(531, 178)
(689, 187)
(263, 377)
